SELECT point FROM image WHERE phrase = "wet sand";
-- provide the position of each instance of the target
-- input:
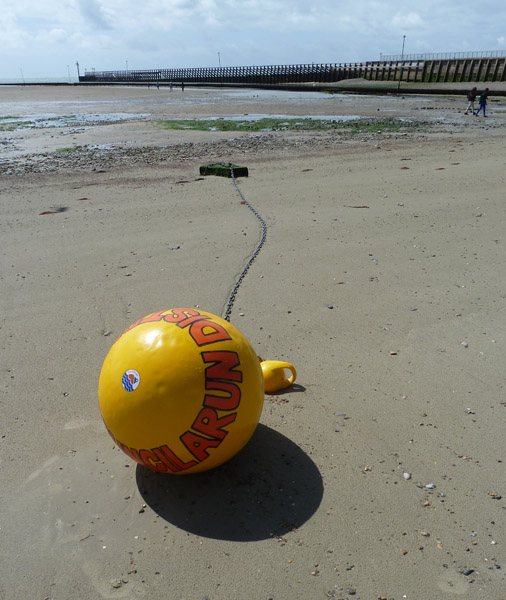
(381, 473)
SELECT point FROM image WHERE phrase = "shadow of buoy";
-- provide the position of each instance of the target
(295, 388)
(269, 488)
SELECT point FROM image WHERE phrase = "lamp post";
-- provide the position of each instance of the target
(402, 62)
(219, 60)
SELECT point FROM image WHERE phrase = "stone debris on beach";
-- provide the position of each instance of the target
(100, 158)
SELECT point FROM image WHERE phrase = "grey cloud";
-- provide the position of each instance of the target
(93, 12)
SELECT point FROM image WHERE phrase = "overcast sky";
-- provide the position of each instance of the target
(45, 38)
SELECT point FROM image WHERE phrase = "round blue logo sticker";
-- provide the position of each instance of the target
(130, 380)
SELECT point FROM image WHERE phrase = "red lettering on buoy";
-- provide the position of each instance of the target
(179, 314)
(171, 316)
(157, 316)
(190, 320)
(206, 332)
(182, 466)
(159, 459)
(229, 402)
(198, 445)
(224, 365)
(168, 465)
(152, 461)
(131, 452)
(223, 368)
(202, 328)
(208, 423)
(220, 376)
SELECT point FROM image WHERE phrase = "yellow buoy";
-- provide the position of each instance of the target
(181, 391)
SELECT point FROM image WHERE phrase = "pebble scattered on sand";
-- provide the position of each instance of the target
(99, 159)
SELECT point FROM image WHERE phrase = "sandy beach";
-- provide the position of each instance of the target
(381, 473)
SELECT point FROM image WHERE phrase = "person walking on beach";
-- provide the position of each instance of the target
(182, 86)
(471, 97)
(483, 103)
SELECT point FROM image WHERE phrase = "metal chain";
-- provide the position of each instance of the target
(233, 293)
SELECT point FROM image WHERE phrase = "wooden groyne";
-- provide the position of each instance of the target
(456, 70)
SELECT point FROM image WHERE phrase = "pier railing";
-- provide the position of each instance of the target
(436, 70)
(445, 55)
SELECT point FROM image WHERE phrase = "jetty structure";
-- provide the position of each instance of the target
(410, 68)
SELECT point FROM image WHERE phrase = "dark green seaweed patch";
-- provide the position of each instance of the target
(367, 125)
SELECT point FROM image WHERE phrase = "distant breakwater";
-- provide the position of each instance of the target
(458, 70)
